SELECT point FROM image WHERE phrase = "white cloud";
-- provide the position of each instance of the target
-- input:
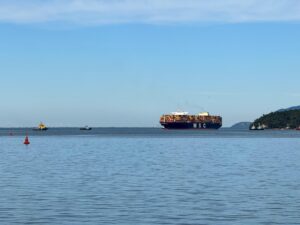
(148, 11)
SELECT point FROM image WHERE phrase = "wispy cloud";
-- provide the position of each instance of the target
(148, 11)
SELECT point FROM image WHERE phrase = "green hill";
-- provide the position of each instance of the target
(241, 126)
(280, 120)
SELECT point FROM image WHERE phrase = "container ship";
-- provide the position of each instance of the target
(182, 120)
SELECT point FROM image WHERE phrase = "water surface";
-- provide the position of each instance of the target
(180, 178)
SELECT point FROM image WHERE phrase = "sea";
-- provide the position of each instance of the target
(144, 176)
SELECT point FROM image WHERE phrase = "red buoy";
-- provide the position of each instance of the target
(26, 142)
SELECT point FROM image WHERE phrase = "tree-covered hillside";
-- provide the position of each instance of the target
(280, 120)
(241, 126)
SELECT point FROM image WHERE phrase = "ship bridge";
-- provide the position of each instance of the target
(179, 113)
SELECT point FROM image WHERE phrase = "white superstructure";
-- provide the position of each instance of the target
(180, 113)
(204, 114)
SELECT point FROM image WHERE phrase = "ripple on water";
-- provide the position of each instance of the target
(139, 180)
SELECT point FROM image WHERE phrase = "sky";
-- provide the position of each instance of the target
(126, 62)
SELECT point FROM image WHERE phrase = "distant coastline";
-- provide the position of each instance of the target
(287, 119)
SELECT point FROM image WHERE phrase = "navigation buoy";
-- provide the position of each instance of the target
(26, 142)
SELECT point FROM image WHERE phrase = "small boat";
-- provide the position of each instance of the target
(253, 127)
(86, 128)
(259, 127)
(41, 127)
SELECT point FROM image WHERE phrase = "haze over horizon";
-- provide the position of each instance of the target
(126, 62)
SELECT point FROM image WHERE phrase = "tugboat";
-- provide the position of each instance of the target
(41, 127)
(86, 128)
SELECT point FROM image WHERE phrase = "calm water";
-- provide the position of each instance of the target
(222, 177)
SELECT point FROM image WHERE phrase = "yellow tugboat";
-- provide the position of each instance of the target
(41, 127)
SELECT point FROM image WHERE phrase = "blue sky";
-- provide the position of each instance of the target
(71, 63)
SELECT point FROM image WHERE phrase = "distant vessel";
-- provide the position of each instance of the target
(182, 120)
(253, 127)
(259, 127)
(41, 127)
(85, 128)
